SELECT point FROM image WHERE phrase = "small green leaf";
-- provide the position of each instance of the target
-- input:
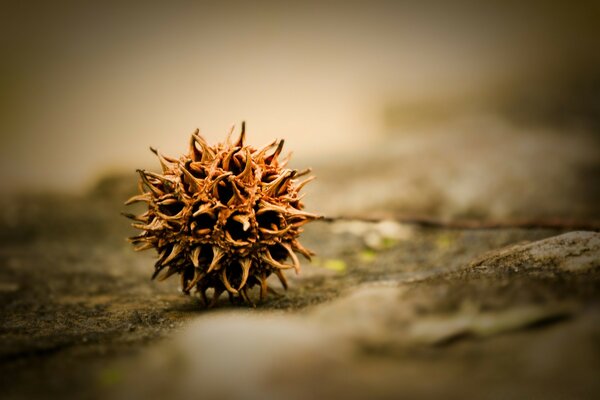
(388, 242)
(367, 255)
(335, 264)
(444, 241)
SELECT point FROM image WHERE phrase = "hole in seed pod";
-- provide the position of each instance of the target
(202, 221)
(236, 164)
(278, 252)
(206, 255)
(171, 209)
(270, 220)
(297, 204)
(164, 252)
(234, 274)
(225, 191)
(236, 230)
(187, 187)
(268, 176)
(196, 169)
(254, 280)
(168, 187)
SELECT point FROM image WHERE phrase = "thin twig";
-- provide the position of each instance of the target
(549, 223)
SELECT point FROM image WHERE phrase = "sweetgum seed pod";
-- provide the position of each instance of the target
(222, 217)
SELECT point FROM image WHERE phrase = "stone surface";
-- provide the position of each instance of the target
(573, 251)
(386, 310)
(385, 339)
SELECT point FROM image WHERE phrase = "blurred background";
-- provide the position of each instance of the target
(477, 107)
(453, 112)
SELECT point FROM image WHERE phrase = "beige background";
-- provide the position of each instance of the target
(85, 89)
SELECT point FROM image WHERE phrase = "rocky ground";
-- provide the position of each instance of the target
(386, 310)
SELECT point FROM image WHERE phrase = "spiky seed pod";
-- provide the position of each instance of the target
(224, 217)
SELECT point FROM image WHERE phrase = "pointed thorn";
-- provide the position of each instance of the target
(276, 233)
(148, 184)
(302, 250)
(206, 208)
(157, 269)
(182, 284)
(265, 206)
(134, 217)
(274, 187)
(282, 278)
(164, 163)
(246, 263)
(285, 160)
(244, 220)
(263, 286)
(166, 217)
(207, 152)
(304, 172)
(195, 155)
(304, 183)
(192, 179)
(228, 139)
(266, 257)
(237, 195)
(195, 256)
(197, 278)
(145, 246)
(141, 237)
(227, 158)
(217, 256)
(273, 157)
(261, 152)
(137, 198)
(247, 172)
(296, 213)
(246, 298)
(174, 253)
(240, 141)
(293, 256)
(213, 185)
(170, 271)
(302, 222)
(155, 225)
(164, 179)
(225, 281)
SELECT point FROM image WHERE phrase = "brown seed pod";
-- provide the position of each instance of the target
(223, 217)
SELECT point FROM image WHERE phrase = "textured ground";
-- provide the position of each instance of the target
(385, 310)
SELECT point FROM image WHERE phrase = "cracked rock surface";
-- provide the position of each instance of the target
(385, 310)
